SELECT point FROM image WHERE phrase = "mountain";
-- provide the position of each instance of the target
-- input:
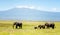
(29, 14)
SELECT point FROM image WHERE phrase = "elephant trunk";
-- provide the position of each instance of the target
(13, 26)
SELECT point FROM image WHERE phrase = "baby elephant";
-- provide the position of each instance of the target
(35, 27)
(41, 26)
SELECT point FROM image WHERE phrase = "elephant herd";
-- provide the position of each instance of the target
(18, 25)
(46, 26)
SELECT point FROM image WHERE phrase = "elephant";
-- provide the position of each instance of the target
(50, 25)
(35, 27)
(17, 25)
(41, 26)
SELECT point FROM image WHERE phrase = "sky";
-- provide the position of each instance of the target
(44, 5)
(50, 6)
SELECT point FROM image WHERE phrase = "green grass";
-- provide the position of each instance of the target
(28, 28)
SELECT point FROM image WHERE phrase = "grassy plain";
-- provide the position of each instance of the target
(28, 28)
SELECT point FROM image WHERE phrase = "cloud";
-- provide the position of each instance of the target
(30, 7)
(38, 8)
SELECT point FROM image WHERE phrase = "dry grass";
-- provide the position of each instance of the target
(28, 28)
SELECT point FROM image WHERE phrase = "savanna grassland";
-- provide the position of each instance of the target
(28, 28)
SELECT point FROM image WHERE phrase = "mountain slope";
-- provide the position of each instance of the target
(29, 14)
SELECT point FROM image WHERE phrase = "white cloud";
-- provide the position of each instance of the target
(38, 8)
(30, 7)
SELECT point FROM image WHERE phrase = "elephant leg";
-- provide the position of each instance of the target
(43, 27)
(40, 27)
(21, 26)
(52, 27)
(48, 27)
(16, 27)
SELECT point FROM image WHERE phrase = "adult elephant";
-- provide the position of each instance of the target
(17, 25)
(50, 25)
